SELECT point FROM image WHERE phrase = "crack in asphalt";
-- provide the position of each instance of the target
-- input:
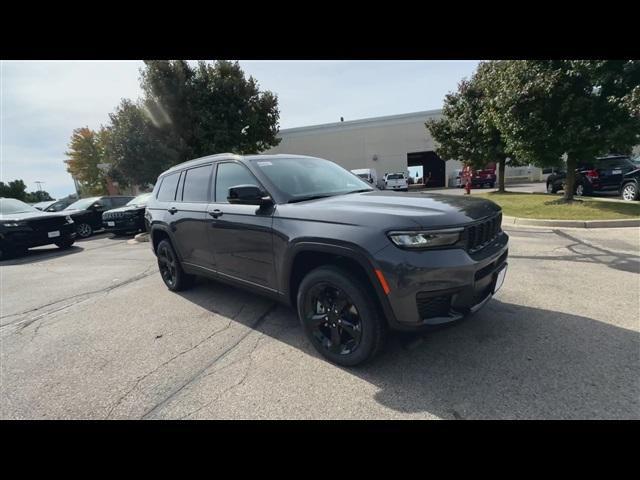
(199, 374)
(81, 297)
(167, 362)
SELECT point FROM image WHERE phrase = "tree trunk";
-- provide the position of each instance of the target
(501, 168)
(570, 181)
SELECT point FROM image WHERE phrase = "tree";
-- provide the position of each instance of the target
(14, 189)
(546, 110)
(38, 196)
(86, 152)
(137, 150)
(212, 108)
(466, 132)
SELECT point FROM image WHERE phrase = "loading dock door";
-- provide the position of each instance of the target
(431, 163)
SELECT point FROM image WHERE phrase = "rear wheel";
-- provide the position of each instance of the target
(170, 269)
(630, 192)
(339, 316)
(84, 230)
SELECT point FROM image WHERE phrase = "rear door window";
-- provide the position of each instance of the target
(167, 191)
(196, 184)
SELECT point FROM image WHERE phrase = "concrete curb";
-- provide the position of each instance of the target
(533, 222)
(141, 237)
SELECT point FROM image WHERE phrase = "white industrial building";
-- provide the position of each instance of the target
(387, 144)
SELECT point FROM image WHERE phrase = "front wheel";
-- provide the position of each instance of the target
(339, 316)
(65, 243)
(170, 269)
(580, 190)
(551, 188)
(630, 192)
(84, 230)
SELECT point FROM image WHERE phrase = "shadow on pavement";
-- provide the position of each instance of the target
(582, 252)
(507, 361)
(41, 254)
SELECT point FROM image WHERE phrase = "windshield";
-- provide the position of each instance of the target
(82, 204)
(9, 206)
(395, 176)
(302, 178)
(140, 200)
(57, 206)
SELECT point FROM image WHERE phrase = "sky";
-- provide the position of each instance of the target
(41, 102)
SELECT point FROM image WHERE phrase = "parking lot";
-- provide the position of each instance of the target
(92, 333)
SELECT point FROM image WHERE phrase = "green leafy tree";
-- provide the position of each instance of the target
(576, 109)
(137, 150)
(14, 189)
(466, 132)
(38, 196)
(86, 151)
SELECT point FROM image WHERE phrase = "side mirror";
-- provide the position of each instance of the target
(97, 206)
(248, 195)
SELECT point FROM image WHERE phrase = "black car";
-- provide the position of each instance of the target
(127, 219)
(630, 187)
(352, 260)
(600, 175)
(59, 205)
(87, 212)
(23, 227)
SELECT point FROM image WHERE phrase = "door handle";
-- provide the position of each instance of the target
(172, 210)
(216, 213)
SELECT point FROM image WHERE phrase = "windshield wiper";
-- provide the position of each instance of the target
(360, 191)
(309, 197)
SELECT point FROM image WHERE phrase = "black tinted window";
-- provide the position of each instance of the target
(231, 175)
(105, 202)
(167, 192)
(120, 201)
(196, 184)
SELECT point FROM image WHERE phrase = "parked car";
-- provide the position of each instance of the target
(353, 261)
(480, 178)
(61, 204)
(23, 227)
(367, 174)
(43, 205)
(127, 219)
(630, 187)
(87, 212)
(599, 175)
(395, 181)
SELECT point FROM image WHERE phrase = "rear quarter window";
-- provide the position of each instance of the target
(167, 190)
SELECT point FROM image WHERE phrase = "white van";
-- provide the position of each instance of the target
(367, 174)
(396, 181)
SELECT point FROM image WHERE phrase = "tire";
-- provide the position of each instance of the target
(84, 230)
(65, 243)
(580, 191)
(630, 192)
(171, 271)
(359, 343)
(551, 188)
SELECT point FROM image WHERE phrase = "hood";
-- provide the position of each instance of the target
(391, 210)
(31, 215)
(126, 208)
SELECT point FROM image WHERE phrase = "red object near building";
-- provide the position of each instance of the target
(467, 176)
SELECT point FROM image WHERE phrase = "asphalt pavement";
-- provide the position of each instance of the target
(92, 333)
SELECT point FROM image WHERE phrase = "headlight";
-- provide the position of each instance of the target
(14, 224)
(426, 239)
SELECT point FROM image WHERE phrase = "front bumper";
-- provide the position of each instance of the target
(26, 237)
(123, 224)
(439, 286)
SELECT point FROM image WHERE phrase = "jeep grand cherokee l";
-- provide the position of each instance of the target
(23, 227)
(352, 260)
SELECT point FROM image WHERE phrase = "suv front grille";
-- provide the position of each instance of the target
(431, 307)
(112, 215)
(481, 234)
(46, 224)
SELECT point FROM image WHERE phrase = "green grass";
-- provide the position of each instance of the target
(539, 205)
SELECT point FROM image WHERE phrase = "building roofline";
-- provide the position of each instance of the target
(363, 121)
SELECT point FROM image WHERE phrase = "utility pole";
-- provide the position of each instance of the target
(39, 184)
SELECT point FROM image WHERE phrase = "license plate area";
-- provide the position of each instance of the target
(111, 224)
(500, 278)
(54, 234)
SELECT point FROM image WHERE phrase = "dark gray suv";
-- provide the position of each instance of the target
(352, 260)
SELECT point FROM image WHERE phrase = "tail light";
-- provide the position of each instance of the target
(592, 175)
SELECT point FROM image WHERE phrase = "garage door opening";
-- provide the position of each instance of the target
(430, 168)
